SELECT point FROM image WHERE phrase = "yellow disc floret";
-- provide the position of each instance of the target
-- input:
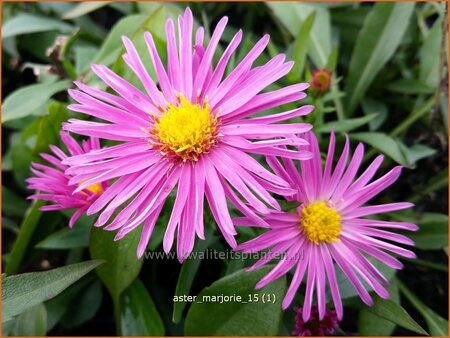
(320, 223)
(96, 188)
(185, 130)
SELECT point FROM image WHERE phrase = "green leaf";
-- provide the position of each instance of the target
(139, 316)
(84, 306)
(376, 43)
(83, 57)
(301, 45)
(429, 62)
(27, 228)
(432, 233)
(20, 292)
(248, 317)
(410, 86)
(293, 14)
(370, 324)
(186, 278)
(111, 48)
(49, 127)
(83, 8)
(58, 306)
(121, 265)
(395, 313)
(26, 100)
(346, 125)
(437, 325)
(370, 106)
(24, 23)
(415, 153)
(32, 322)
(77, 237)
(383, 143)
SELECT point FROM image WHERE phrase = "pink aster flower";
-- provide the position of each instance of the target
(329, 227)
(53, 184)
(193, 130)
(315, 326)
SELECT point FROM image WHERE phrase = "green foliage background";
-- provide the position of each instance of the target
(389, 90)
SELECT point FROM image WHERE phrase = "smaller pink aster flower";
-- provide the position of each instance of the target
(315, 326)
(329, 229)
(52, 182)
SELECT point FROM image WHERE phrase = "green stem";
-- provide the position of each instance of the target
(337, 100)
(117, 315)
(436, 266)
(27, 228)
(419, 113)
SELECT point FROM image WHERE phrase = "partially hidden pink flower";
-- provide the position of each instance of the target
(192, 131)
(315, 326)
(52, 183)
(330, 229)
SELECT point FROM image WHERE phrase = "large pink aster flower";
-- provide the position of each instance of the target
(53, 184)
(191, 131)
(330, 227)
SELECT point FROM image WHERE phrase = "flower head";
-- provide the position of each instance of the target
(320, 81)
(192, 131)
(329, 228)
(52, 182)
(315, 326)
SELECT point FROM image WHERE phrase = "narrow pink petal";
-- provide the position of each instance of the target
(185, 39)
(134, 62)
(349, 174)
(205, 64)
(218, 204)
(297, 278)
(180, 202)
(124, 88)
(346, 268)
(332, 281)
(167, 85)
(268, 100)
(147, 231)
(237, 72)
(217, 75)
(310, 283)
(376, 209)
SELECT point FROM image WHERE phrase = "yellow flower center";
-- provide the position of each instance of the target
(95, 188)
(320, 223)
(185, 130)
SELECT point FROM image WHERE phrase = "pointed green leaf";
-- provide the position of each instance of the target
(83, 8)
(376, 43)
(121, 266)
(78, 237)
(293, 14)
(437, 325)
(393, 312)
(32, 322)
(20, 292)
(370, 324)
(139, 316)
(27, 100)
(25, 23)
(429, 62)
(346, 125)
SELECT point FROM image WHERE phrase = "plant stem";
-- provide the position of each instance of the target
(23, 239)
